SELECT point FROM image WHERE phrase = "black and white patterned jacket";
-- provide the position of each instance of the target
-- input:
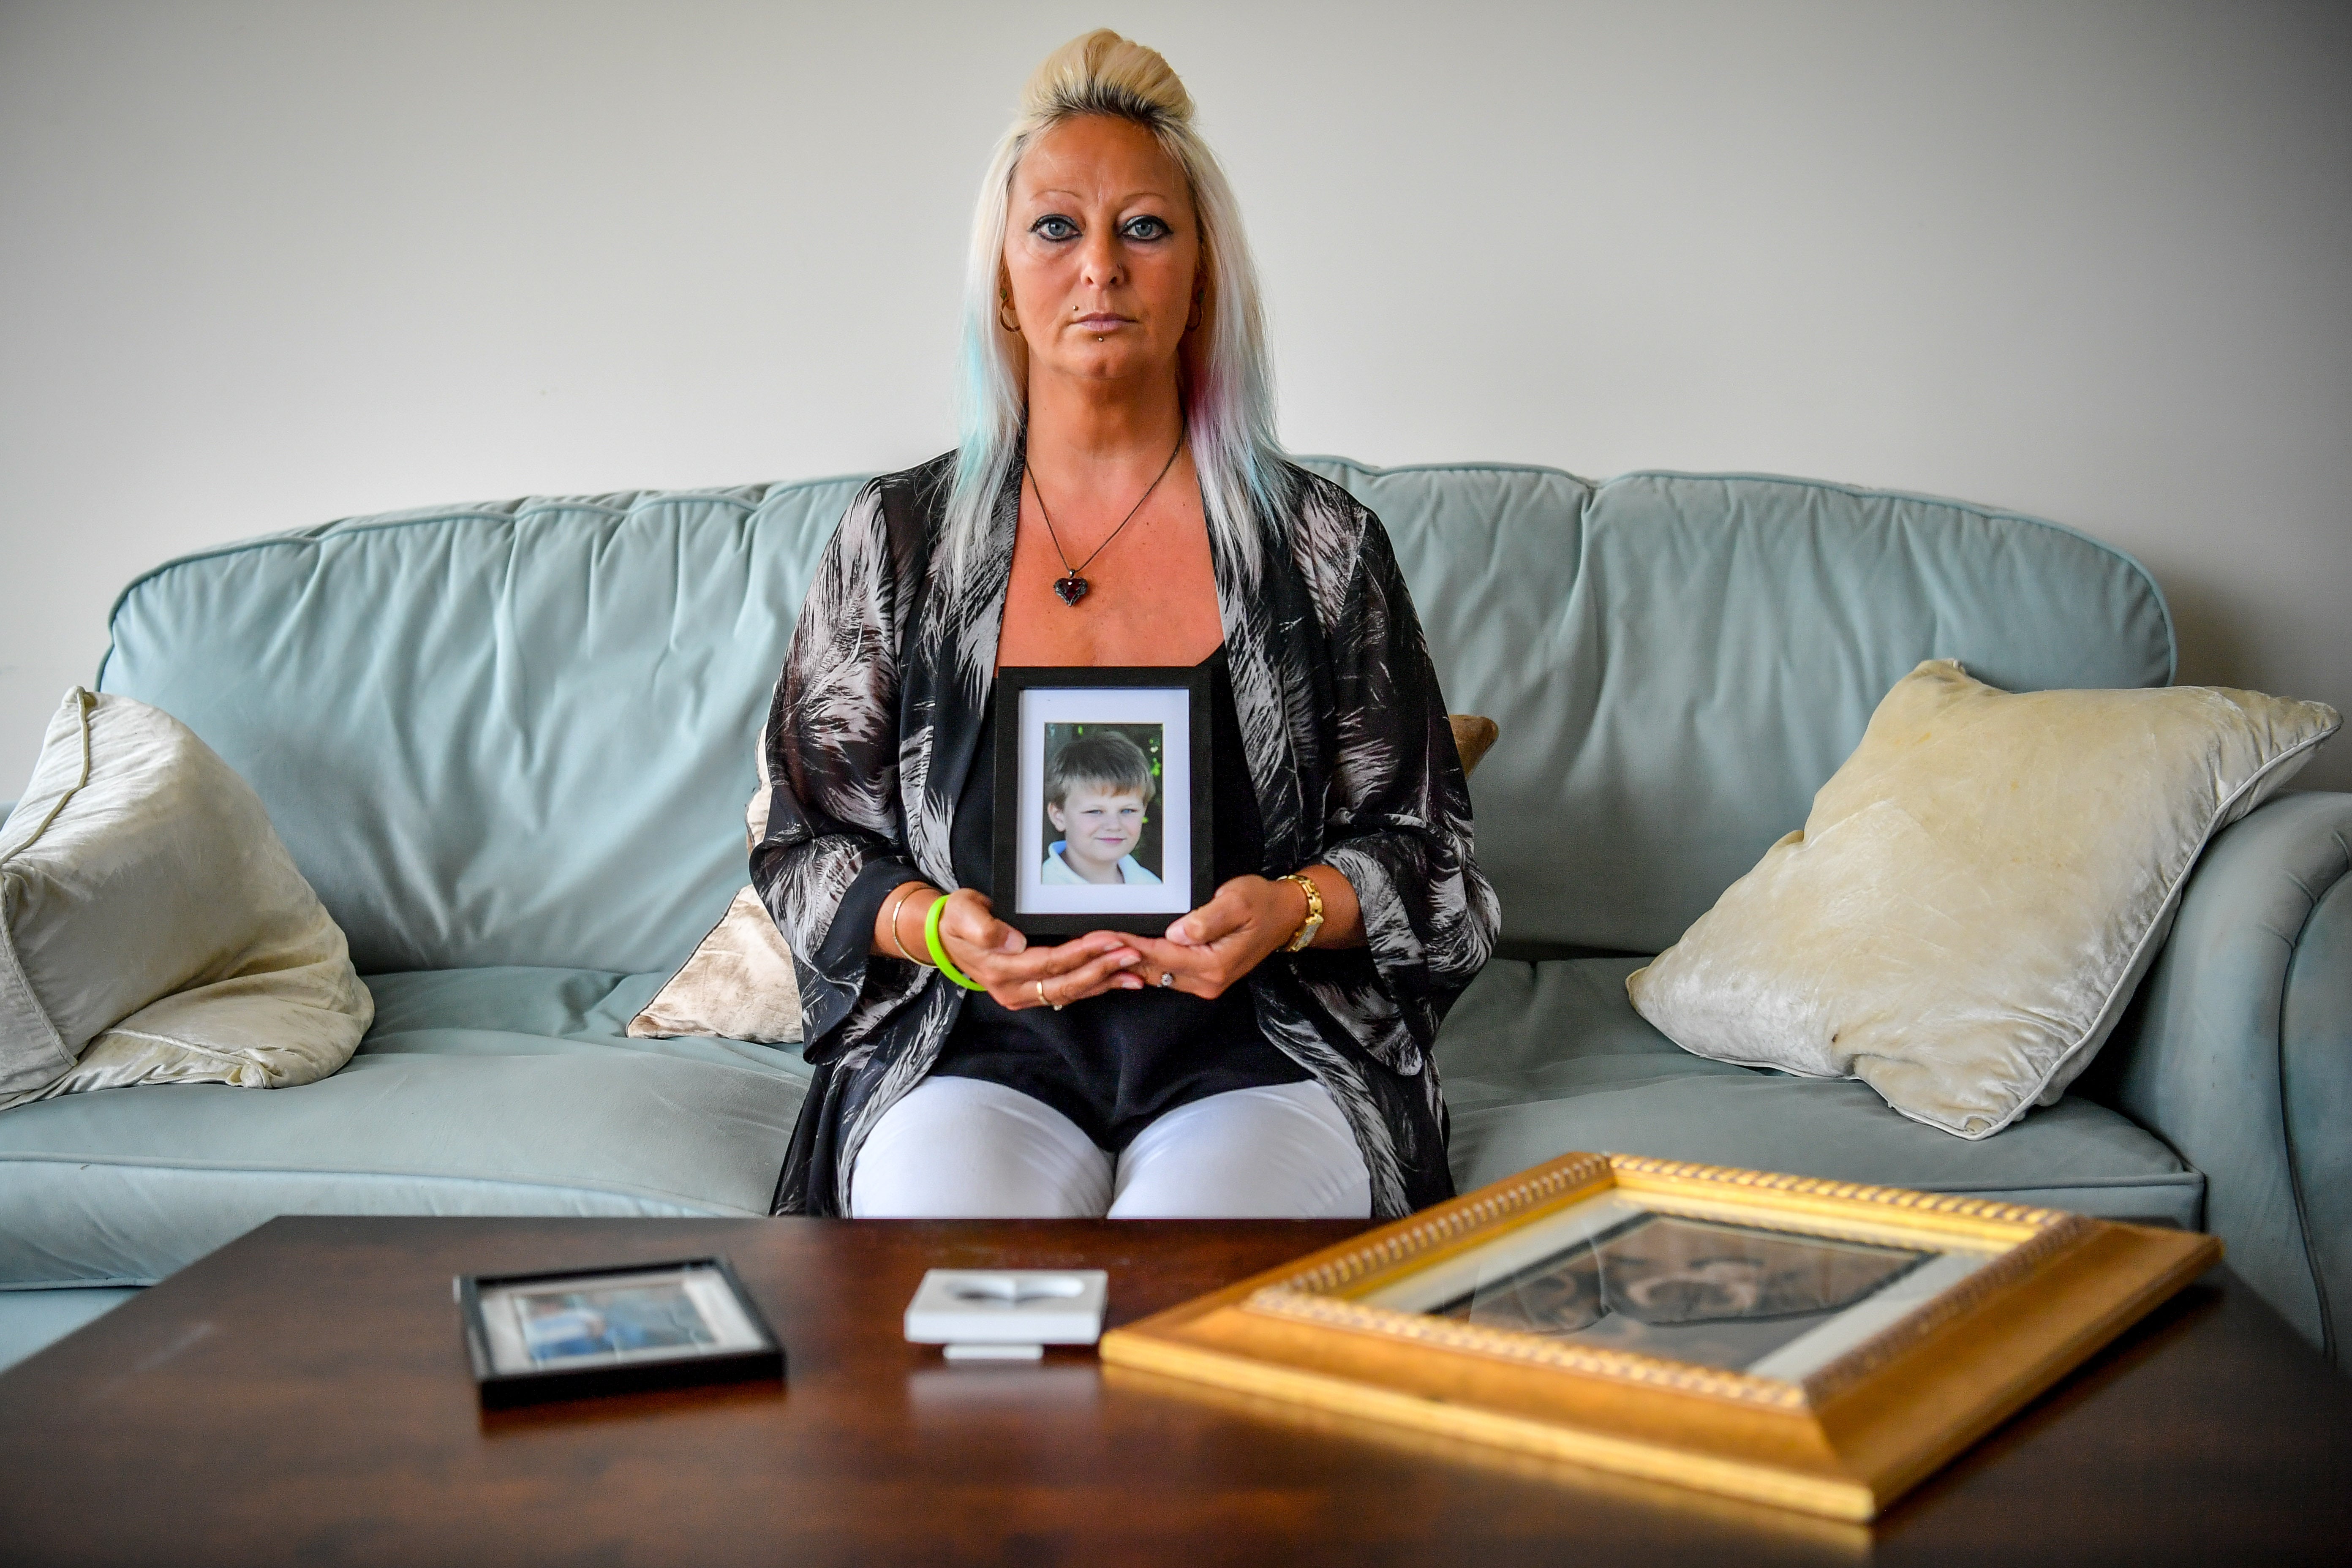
(875, 724)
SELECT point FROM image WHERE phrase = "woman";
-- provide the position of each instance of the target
(1118, 499)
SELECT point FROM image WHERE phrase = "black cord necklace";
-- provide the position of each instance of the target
(1072, 587)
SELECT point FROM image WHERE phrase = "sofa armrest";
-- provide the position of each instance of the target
(2241, 1054)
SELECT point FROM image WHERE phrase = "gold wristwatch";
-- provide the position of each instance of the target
(1314, 920)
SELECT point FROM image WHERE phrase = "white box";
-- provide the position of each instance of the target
(1008, 1307)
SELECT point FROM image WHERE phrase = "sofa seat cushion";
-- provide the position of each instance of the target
(492, 1091)
(33, 1321)
(1541, 1058)
(535, 1012)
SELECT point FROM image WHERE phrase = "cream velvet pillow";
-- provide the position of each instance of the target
(740, 985)
(1977, 891)
(153, 928)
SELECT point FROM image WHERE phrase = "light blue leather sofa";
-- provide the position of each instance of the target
(510, 744)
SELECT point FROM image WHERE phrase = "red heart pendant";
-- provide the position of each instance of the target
(1072, 588)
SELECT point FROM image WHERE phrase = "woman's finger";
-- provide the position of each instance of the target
(970, 920)
(1071, 956)
(1066, 958)
(977, 942)
(1111, 972)
(1009, 970)
(1197, 970)
(1059, 987)
(1226, 912)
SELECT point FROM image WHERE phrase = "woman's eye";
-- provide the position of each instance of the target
(1053, 225)
(1148, 227)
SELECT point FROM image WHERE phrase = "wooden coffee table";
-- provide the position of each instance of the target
(302, 1395)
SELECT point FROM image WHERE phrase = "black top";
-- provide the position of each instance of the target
(1114, 1063)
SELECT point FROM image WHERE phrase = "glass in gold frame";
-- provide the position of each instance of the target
(1736, 1297)
(1816, 1344)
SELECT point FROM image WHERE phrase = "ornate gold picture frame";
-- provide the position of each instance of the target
(1814, 1344)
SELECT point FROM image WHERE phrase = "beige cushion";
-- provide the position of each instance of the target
(1473, 735)
(1977, 891)
(153, 928)
(739, 983)
(738, 986)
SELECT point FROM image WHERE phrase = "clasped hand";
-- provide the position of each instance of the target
(1203, 955)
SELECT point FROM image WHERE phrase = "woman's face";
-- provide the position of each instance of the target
(1101, 249)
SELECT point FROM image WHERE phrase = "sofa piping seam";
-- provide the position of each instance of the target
(316, 534)
(2287, 1122)
(643, 1194)
(83, 703)
(112, 1282)
(1592, 489)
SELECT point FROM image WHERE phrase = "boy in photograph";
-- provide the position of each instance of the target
(1098, 788)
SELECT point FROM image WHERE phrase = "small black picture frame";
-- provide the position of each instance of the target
(573, 1332)
(1137, 723)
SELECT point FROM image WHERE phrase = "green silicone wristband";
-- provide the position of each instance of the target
(939, 952)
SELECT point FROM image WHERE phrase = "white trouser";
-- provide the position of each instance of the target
(960, 1148)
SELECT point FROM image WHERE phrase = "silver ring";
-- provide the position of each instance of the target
(1166, 978)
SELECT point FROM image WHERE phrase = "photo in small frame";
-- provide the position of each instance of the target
(583, 1332)
(1103, 803)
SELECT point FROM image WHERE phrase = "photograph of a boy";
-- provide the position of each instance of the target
(1098, 793)
(558, 1325)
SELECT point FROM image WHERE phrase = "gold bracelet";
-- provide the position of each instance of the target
(896, 909)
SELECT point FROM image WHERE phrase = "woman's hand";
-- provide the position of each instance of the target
(1214, 946)
(1018, 975)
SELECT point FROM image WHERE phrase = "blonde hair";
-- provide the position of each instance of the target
(1225, 380)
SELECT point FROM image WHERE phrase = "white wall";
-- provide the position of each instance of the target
(266, 263)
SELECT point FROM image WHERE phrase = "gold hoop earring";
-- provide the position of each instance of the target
(1011, 326)
(1200, 313)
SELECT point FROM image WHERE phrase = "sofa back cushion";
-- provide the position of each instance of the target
(517, 733)
(1678, 661)
(521, 734)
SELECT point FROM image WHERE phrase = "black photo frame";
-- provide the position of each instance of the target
(1028, 699)
(718, 1337)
